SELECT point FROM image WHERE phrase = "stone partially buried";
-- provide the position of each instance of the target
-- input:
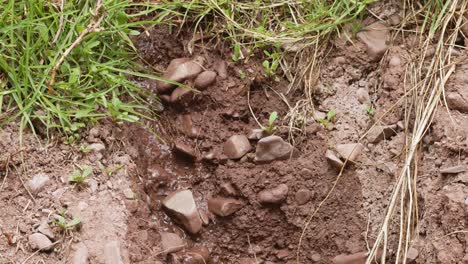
(182, 207)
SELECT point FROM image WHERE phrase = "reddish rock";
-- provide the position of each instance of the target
(273, 196)
(205, 79)
(171, 242)
(228, 189)
(273, 148)
(350, 151)
(357, 258)
(182, 207)
(237, 146)
(256, 134)
(363, 96)
(185, 150)
(333, 159)
(375, 37)
(185, 125)
(180, 70)
(81, 254)
(224, 206)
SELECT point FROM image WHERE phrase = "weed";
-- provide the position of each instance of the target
(329, 118)
(67, 225)
(80, 176)
(236, 52)
(370, 110)
(271, 64)
(84, 149)
(241, 74)
(270, 128)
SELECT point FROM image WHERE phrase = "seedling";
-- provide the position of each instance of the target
(370, 110)
(271, 64)
(329, 118)
(84, 149)
(67, 225)
(80, 176)
(270, 128)
(237, 53)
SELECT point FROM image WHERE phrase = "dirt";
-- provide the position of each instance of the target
(140, 168)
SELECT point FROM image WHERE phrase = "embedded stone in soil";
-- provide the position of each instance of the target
(181, 205)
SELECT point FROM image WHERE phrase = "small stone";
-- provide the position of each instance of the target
(185, 150)
(178, 93)
(303, 196)
(333, 159)
(351, 152)
(453, 170)
(378, 133)
(273, 196)
(204, 217)
(363, 96)
(182, 207)
(394, 19)
(318, 115)
(228, 189)
(411, 255)
(375, 38)
(129, 194)
(80, 256)
(97, 147)
(316, 257)
(224, 206)
(171, 243)
(40, 242)
(185, 125)
(282, 253)
(179, 70)
(221, 69)
(197, 255)
(112, 253)
(357, 258)
(205, 79)
(237, 146)
(37, 182)
(273, 148)
(458, 100)
(45, 230)
(256, 134)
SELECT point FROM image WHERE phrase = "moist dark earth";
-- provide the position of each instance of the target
(137, 168)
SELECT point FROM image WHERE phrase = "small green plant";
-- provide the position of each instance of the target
(270, 128)
(236, 52)
(80, 176)
(271, 64)
(241, 74)
(370, 110)
(329, 118)
(84, 149)
(67, 225)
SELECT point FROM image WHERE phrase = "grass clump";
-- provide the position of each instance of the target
(64, 66)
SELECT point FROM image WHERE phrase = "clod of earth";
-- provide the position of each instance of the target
(378, 133)
(221, 69)
(38, 241)
(224, 206)
(273, 196)
(273, 148)
(45, 230)
(180, 70)
(185, 125)
(205, 79)
(185, 150)
(112, 253)
(350, 152)
(303, 196)
(37, 182)
(237, 146)
(333, 159)
(375, 38)
(453, 170)
(229, 189)
(363, 96)
(178, 93)
(80, 256)
(171, 242)
(182, 207)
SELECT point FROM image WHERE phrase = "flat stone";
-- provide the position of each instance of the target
(81, 254)
(185, 150)
(179, 70)
(273, 148)
(363, 96)
(112, 253)
(273, 196)
(333, 159)
(350, 151)
(182, 207)
(378, 133)
(357, 258)
(411, 255)
(45, 230)
(38, 241)
(38, 182)
(453, 170)
(237, 146)
(303, 196)
(171, 242)
(375, 38)
(256, 134)
(224, 206)
(205, 79)
(458, 100)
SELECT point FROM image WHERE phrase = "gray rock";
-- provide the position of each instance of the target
(333, 159)
(38, 182)
(378, 133)
(375, 38)
(182, 207)
(45, 230)
(350, 151)
(171, 243)
(236, 146)
(205, 79)
(129, 194)
(38, 241)
(273, 148)
(112, 253)
(224, 206)
(453, 170)
(273, 196)
(81, 254)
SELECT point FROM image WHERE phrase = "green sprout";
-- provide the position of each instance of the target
(329, 118)
(370, 110)
(67, 225)
(270, 128)
(80, 176)
(271, 64)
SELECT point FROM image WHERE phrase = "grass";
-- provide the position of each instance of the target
(65, 67)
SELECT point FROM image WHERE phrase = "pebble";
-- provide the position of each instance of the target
(333, 159)
(272, 148)
(350, 151)
(185, 150)
(453, 170)
(81, 254)
(237, 146)
(38, 241)
(273, 196)
(224, 206)
(178, 93)
(185, 125)
(256, 134)
(357, 258)
(171, 242)
(363, 96)
(411, 255)
(316, 257)
(112, 253)
(394, 19)
(375, 38)
(197, 255)
(205, 79)
(45, 230)
(221, 69)
(97, 147)
(458, 100)
(38, 182)
(303, 196)
(182, 207)
(180, 70)
(378, 133)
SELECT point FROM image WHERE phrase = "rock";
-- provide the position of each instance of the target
(129, 194)
(237, 146)
(38, 241)
(256, 134)
(80, 256)
(185, 150)
(178, 93)
(363, 96)
(97, 147)
(282, 253)
(350, 151)
(180, 70)
(378, 133)
(273, 148)
(316, 257)
(204, 217)
(411, 255)
(303, 196)
(197, 255)
(224, 206)
(394, 19)
(375, 38)
(37, 182)
(318, 115)
(357, 258)
(185, 125)
(394, 61)
(205, 79)
(221, 69)
(273, 196)
(229, 189)
(93, 185)
(171, 243)
(182, 207)
(333, 159)
(112, 253)
(458, 100)
(45, 230)
(453, 170)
